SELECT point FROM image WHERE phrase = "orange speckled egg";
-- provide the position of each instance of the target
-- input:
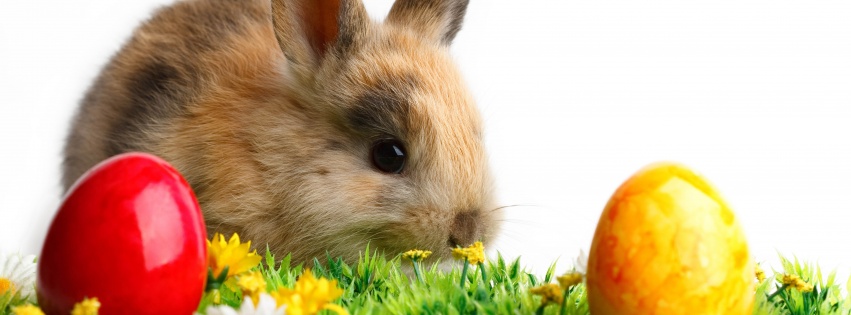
(667, 243)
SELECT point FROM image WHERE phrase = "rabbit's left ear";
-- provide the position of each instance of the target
(308, 30)
(437, 20)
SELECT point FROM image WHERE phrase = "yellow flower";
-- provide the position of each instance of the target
(760, 274)
(475, 254)
(252, 284)
(550, 293)
(797, 283)
(6, 285)
(569, 279)
(416, 254)
(28, 309)
(233, 254)
(790, 279)
(310, 295)
(89, 306)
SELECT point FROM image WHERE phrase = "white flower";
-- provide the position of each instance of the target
(266, 306)
(581, 263)
(17, 274)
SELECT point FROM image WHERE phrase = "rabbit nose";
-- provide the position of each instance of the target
(464, 229)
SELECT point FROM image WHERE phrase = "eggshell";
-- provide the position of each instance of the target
(667, 243)
(129, 233)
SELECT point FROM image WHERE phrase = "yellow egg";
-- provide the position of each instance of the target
(667, 243)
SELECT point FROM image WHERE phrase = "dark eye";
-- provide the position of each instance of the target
(389, 156)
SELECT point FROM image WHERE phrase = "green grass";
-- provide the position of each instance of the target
(8, 300)
(385, 285)
(827, 296)
(380, 285)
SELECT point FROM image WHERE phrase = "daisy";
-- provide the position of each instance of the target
(17, 276)
(265, 306)
(580, 264)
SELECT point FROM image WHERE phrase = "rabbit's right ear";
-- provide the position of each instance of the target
(309, 30)
(436, 20)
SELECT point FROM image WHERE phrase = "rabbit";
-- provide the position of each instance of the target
(303, 125)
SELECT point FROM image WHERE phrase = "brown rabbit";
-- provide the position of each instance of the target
(302, 124)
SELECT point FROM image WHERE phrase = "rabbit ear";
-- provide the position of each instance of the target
(308, 30)
(438, 20)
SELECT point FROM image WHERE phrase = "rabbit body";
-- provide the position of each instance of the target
(273, 111)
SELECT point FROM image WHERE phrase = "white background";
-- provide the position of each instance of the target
(577, 96)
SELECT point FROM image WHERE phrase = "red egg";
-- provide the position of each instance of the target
(131, 234)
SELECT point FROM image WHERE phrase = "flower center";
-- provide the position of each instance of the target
(6, 286)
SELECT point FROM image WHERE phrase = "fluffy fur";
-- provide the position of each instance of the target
(270, 111)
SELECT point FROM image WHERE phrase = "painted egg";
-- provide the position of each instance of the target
(667, 243)
(131, 234)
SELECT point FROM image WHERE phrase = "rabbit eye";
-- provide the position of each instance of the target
(388, 156)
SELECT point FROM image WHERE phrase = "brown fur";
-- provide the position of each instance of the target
(271, 118)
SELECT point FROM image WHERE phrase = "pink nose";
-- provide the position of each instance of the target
(465, 229)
